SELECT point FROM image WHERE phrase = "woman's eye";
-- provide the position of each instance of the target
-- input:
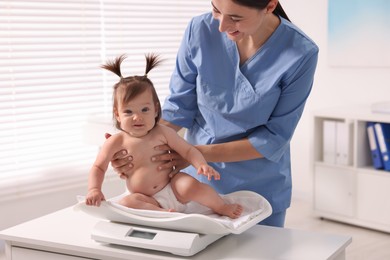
(235, 18)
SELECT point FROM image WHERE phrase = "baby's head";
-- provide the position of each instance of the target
(128, 88)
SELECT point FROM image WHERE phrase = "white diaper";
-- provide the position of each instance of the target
(167, 199)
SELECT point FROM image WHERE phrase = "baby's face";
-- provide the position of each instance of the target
(138, 116)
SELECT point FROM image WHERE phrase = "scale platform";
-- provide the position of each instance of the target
(155, 230)
(185, 243)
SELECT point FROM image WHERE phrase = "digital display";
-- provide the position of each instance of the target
(142, 234)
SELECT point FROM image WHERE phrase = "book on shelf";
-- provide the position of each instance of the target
(376, 155)
(382, 131)
(337, 142)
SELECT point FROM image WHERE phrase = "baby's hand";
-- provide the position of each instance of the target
(94, 197)
(208, 171)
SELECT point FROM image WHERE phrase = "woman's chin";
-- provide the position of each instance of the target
(235, 36)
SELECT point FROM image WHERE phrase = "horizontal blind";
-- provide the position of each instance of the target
(138, 27)
(51, 80)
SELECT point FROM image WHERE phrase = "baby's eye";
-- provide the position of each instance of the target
(128, 111)
(145, 109)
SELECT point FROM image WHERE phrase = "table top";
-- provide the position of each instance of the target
(67, 231)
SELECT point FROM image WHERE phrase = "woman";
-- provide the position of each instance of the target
(242, 77)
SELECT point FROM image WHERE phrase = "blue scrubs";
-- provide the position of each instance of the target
(218, 100)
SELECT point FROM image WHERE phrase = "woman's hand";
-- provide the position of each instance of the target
(122, 162)
(169, 160)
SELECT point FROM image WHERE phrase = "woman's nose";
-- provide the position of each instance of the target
(224, 23)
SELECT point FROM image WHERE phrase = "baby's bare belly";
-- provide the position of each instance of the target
(147, 181)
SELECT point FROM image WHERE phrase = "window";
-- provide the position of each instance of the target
(50, 79)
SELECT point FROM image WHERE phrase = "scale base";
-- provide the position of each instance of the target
(175, 242)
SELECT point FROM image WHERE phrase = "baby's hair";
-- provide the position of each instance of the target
(115, 65)
(128, 88)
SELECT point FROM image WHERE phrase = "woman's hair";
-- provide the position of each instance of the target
(261, 4)
(128, 88)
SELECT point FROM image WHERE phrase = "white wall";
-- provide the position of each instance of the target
(333, 87)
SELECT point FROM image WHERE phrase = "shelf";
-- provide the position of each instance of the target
(349, 191)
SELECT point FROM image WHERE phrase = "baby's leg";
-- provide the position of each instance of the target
(187, 188)
(141, 201)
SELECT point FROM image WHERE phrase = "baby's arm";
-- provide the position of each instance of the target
(97, 172)
(190, 153)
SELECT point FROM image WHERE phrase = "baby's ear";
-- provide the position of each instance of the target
(156, 114)
(116, 114)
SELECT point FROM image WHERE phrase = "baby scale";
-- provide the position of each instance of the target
(177, 233)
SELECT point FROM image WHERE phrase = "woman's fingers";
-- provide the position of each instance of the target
(120, 155)
(169, 156)
(122, 163)
(163, 147)
(169, 160)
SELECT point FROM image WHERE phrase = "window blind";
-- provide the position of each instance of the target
(51, 80)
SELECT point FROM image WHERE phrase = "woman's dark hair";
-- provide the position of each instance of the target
(261, 4)
(128, 88)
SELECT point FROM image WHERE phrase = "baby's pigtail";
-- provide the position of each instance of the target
(152, 60)
(115, 65)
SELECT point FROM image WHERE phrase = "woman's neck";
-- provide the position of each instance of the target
(248, 46)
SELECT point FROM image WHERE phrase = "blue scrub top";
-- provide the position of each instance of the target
(218, 100)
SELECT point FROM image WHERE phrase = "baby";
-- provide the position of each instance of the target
(137, 111)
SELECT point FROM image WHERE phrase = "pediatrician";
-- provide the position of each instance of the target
(243, 74)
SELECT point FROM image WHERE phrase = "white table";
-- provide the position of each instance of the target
(65, 235)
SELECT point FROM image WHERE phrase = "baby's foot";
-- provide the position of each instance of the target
(231, 210)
